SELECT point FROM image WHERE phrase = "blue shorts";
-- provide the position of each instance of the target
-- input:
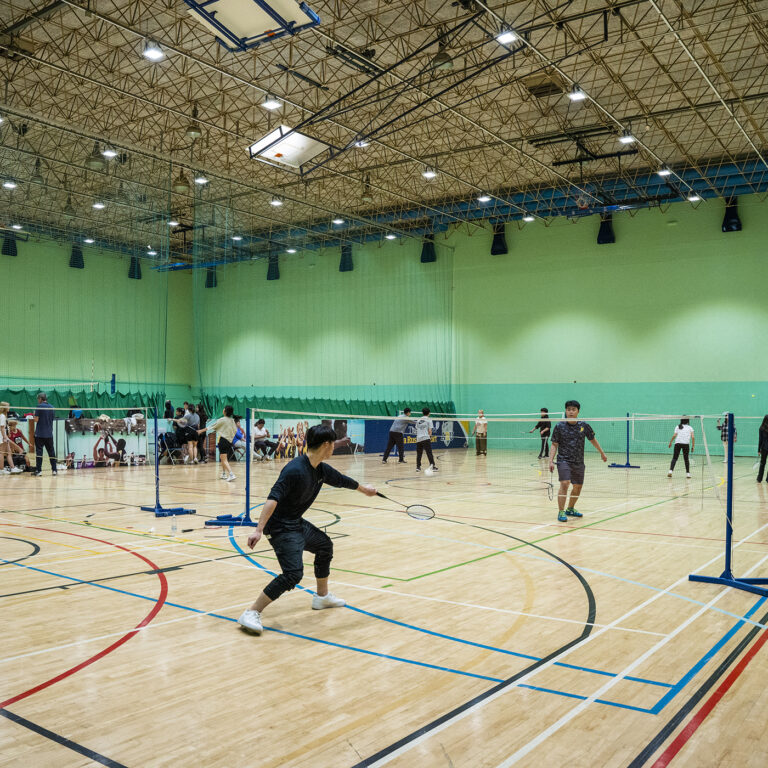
(571, 473)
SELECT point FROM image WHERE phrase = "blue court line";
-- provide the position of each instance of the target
(449, 637)
(688, 676)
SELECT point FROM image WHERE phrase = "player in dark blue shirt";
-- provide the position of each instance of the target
(282, 522)
(568, 444)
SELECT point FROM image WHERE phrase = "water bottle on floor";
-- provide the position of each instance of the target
(173, 525)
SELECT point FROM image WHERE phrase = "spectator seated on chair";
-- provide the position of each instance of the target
(261, 443)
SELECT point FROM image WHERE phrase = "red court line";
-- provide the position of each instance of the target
(124, 639)
(671, 751)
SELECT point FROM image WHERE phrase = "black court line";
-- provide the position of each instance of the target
(656, 742)
(68, 743)
(35, 549)
(588, 627)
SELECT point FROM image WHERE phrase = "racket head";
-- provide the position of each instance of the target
(420, 512)
(756, 465)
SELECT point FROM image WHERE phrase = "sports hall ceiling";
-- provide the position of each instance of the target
(423, 84)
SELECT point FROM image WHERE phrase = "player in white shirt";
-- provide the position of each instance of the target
(684, 441)
(424, 440)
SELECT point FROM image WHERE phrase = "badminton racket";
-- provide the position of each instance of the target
(550, 487)
(756, 465)
(417, 511)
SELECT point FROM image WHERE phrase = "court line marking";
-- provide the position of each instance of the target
(463, 711)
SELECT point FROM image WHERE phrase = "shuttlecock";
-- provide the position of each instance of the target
(429, 471)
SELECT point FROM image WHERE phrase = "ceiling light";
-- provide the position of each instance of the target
(338, 220)
(89, 240)
(194, 130)
(173, 223)
(237, 238)
(276, 201)
(271, 102)
(68, 209)
(664, 171)
(529, 217)
(95, 161)
(108, 153)
(290, 250)
(15, 226)
(627, 138)
(442, 60)
(429, 173)
(693, 198)
(9, 184)
(483, 198)
(576, 94)
(390, 236)
(201, 180)
(152, 51)
(361, 143)
(506, 36)
(151, 252)
(98, 205)
(1, 118)
(180, 184)
(37, 176)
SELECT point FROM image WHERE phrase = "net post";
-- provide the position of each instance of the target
(158, 508)
(626, 465)
(757, 586)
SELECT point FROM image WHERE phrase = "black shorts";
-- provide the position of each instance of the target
(225, 448)
(570, 473)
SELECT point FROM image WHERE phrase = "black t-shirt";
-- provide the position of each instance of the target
(544, 427)
(297, 488)
(569, 439)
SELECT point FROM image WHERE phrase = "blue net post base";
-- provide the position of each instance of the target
(627, 465)
(168, 511)
(727, 579)
(223, 520)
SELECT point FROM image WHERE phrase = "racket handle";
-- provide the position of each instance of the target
(378, 493)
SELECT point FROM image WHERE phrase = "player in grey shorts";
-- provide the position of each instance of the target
(568, 445)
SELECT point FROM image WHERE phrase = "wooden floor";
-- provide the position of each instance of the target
(490, 636)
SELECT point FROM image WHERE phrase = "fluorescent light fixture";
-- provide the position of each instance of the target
(108, 153)
(506, 36)
(1, 118)
(664, 171)
(9, 184)
(89, 240)
(98, 205)
(290, 250)
(237, 238)
(151, 252)
(180, 184)
(201, 180)
(576, 94)
(361, 143)
(152, 51)
(271, 102)
(173, 223)
(338, 220)
(528, 217)
(276, 201)
(429, 173)
(693, 198)
(15, 226)
(627, 138)
(390, 236)
(483, 198)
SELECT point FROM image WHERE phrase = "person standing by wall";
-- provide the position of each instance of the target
(480, 432)
(44, 434)
(762, 448)
(399, 425)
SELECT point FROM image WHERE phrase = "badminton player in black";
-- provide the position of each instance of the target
(289, 534)
(544, 426)
(568, 443)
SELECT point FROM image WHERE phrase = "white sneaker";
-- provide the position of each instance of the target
(7, 470)
(195, 461)
(688, 475)
(223, 475)
(669, 474)
(326, 601)
(250, 621)
(186, 459)
(231, 477)
(17, 471)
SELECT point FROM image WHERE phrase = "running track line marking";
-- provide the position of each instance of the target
(465, 712)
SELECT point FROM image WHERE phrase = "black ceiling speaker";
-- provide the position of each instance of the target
(134, 271)
(731, 220)
(273, 271)
(499, 244)
(346, 265)
(428, 254)
(605, 233)
(9, 246)
(210, 277)
(76, 259)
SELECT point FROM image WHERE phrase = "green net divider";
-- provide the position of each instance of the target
(85, 399)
